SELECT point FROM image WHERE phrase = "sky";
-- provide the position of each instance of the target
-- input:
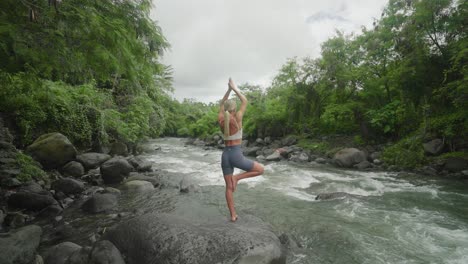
(248, 40)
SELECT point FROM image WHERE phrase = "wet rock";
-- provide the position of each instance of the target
(377, 162)
(59, 254)
(348, 157)
(300, 157)
(15, 219)
(139, 177)
(363, 165)
(52, 150)
(260, 158)
(456, 164)
(38, 260)
(186, 185)
(33, 187)
(374, 155)
(139, 164)
(113, 191)
(10, 182)
(104, 252)
(92, 160)
(100, 203)
(267, 140)
(250, 151)
(259, 141)
(50, 211)
(68, 186)
(289, 140)
(72, 169)
(276, 156)
(434, 147)
(115, 170)
(138, 186)
(333, 195)
(19, 246)
(266, 152)
(118, 149)
(164, 238)
(2, 218)
(321, 160)
(30, 201)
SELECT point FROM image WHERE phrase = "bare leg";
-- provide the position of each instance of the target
(230, 197)
(256, 171)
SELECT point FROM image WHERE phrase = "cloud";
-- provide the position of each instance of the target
(213, 40)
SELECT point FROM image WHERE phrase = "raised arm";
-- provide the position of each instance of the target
(221, 105)
(243, 99)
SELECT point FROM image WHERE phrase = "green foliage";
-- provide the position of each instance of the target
(338, 118)
(407, 153)
(318, 147)
(387, 119)
(29, 168)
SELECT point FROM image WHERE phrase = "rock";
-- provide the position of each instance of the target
(266, 152)
(68, 186)
(10, 182)
(465, 172)
(139, 177)
(216, 137)
(321, 160)
(30, 201)
(73, 169)
(104, 252)
(50, 211)
(244, 143)
(300, 157)
(115, 170)
(164, 238)
(80, 256)
(427, 170)
(19, 246)
(38, 260)
(333, 195)
(261, 158)
(456, 164)
(374, 155)
(348, 157)
(267, 140)
(100, 203)
(377, 162)
(33, 187)
(118, 149)
(434, 147)
(250, 151)
(259, 141)
(274, 157)
(60, 253)
(363, 165)
(15, 219)
(113, 191)
(52, 150)
(186, 185)
(289, 140)
(139, 164)
(92, 160)
(2, 218)
(138, 186)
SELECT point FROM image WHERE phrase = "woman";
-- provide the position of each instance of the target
(230, 122)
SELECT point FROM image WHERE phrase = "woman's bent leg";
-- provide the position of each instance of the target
(230, 197)
(255, 171)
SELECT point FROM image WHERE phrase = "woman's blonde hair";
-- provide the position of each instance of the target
(229, 106)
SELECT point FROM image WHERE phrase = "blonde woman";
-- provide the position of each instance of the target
(230, 122)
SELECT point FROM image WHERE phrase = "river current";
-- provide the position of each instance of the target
(388, 219)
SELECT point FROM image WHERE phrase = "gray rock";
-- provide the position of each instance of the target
(434, 147)
(139, 177)
(73, 169)
(38, 260)
(138, 186)
(33, 187)
(244, 143)
(112, 191)
(50, 211)
(80, 256)
(68, 186)
(140, 164)
(321, 160)
(274, 157)
(465, 172)
(115, 170)
(19, 246)
(2, 218)
(92, 160)
(118, 149)
(363, 165)
(104, 252)
(216, 137)
(164, 238)
(60, 253)
(259, 141)
(300, 157)
(267, 140)
(15, 219)
(261, 158)
(333, 195)
(186, 185)
(267, 152)
(456, 164)
(250, 151)
(100, 203)
(377, 162)
(52, 150)
(30, 201)
(374, 155)
(348, 157)
(10, 182)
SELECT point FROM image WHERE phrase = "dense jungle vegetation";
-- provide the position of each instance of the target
(92, 70)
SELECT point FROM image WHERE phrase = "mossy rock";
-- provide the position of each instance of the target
(52, 150)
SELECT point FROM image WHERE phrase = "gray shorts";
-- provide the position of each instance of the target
(233, 158)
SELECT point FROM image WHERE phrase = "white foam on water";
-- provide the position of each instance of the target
(295, 193)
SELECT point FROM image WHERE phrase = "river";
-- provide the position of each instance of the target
(392, 219)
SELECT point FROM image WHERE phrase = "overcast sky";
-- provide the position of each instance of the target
(212, 40)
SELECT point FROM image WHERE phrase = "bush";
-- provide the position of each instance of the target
(29, 168)
(407, 153)
(314, 146)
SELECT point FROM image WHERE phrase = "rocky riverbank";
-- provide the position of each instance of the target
(40, 197)
(341, 152)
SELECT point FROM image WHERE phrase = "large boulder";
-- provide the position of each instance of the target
(250, 151)
(104, 252)
(73, 169)
(119, 149)
(138, 177)
(68, 186)
(30, 201)
(138, 186)
(348, 157)
(140, 164)
(92, 160)
(19, 246)
(275, 156)
(59, 254)
(434, 147)
(100, 202)
(164, 238)
(115, 170)
(52, 150)
(456, 164)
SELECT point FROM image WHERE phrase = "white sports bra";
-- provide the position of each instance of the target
(237, 135)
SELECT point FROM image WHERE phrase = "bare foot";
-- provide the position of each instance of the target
(234, 219)
(234, 182)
